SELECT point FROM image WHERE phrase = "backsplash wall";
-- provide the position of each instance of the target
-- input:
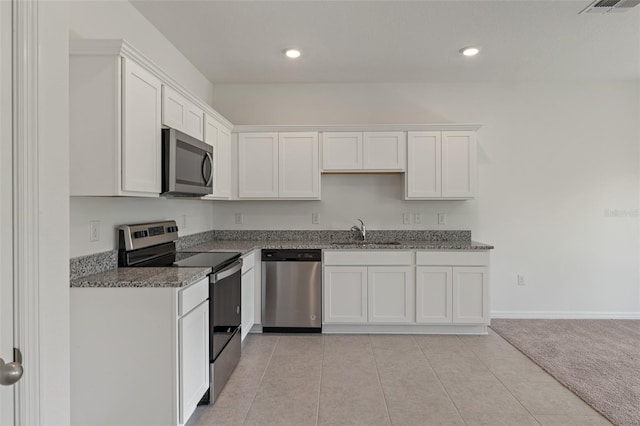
(113, 211)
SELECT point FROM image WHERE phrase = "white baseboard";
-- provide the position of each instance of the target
(564, 315)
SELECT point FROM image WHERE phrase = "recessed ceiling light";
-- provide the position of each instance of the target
(292, 53)
(469, 51)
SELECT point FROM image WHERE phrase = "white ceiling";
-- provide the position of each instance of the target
(399, 41)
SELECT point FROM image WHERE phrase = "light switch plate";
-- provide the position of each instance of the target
(94, 230)
(238, 218)
(417, 218)
(406, 218)
(442, 218)
(315, 218)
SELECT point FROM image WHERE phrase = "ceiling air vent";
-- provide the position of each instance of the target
(606, 6)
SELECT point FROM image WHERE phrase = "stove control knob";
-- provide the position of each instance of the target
(172, 229)
(140, 234)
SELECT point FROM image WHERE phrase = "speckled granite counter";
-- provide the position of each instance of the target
(246, 246)
(143, 277)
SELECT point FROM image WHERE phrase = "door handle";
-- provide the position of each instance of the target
(11, 372)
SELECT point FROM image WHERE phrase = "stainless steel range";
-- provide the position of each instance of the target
(153, 244)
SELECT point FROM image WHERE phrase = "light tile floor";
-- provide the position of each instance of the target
(391, 380)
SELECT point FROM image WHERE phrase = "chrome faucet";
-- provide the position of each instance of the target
(362, 230)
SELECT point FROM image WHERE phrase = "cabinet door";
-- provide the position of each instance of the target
(391, 294)
(423, 177)
(342, 151)
(471, 295)
(141, 130)
(384, 150)
(247, 291)
(458, 164)
(258, 165)
(345, 294)
(299, 168)
(181, 114)
(434, 291)
(193, 358)
(220, 138)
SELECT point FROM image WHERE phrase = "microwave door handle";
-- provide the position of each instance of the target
(209, 178)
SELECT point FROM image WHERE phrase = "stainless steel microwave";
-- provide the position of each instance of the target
(187, 165)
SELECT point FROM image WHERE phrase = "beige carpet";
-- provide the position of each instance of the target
(599, 360)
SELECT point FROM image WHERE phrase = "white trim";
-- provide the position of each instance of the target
(403, 329)
(26, 244)
(564, 315)
(113, 47)
(246, 128)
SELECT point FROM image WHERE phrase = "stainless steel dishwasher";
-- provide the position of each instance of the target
(292, 291)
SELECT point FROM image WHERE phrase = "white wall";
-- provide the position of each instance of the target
(552, 159)
(119, 19)
(112, 212)
(53, 187)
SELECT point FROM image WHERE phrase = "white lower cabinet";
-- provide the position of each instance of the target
(391, 294)
(345, 294)
(471, 295)
(248, 293)
(382, 291)
(379, 288)
(138, 355)
(434, 289)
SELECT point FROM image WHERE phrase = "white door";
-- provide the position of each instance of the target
(391, 294)
(6, 210)
(342, 151)
(434, 290)
(471, 295)
(258, 165)
(458, 164)
(345, 294)
(298, 165)
(384, 150)
(423, 165)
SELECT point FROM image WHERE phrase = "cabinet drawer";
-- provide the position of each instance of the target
(192, 296)
(367, 257)
(450, 258)
(248, 261)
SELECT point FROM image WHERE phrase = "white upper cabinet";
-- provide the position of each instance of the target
(342, 151)
(115, 130)
(424, 153)
(219, 136)
(119, 101)
(298, 165)
(258, 165)
(364, 152)
(441, 165)
(141, 130)
(181, 114)
(458, 164)
(278, 165)
(384, 151)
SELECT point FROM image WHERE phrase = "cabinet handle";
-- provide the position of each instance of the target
(237, 309)
(11, 372)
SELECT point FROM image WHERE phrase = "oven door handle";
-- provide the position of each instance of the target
(227, 273)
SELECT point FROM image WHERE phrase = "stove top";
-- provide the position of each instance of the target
(215, 260)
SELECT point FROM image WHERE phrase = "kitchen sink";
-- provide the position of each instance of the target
(366, 243)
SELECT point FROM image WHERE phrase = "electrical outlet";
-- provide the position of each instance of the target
(442, 218)
(520, 279)
(315, 218)
(406, 218)
(238, 217)
(417, 218)
(94, 230)
(183, 221)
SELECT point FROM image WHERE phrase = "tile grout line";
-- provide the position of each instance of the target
(502, 383)
(244, 421)
(384, 397)
(320, 384)
(440, 381)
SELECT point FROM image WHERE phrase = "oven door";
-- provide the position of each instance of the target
(187, 168)
(224, 299)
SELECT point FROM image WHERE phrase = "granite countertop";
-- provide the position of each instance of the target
(245, 246)
(143, 277)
